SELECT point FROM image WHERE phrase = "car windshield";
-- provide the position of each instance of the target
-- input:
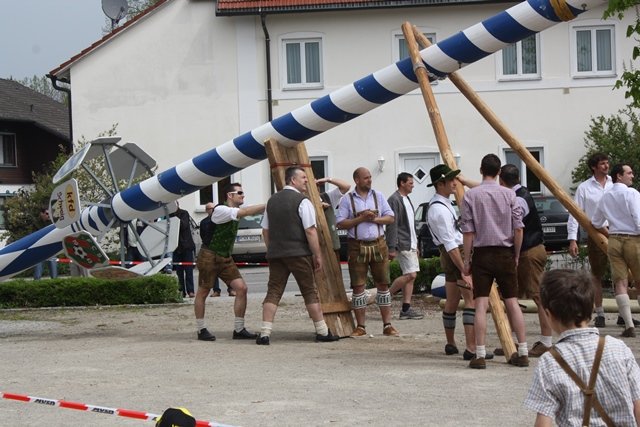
(549, 206)
(251, 221)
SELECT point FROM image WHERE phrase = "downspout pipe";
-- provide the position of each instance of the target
(54, 83)
(267, 49)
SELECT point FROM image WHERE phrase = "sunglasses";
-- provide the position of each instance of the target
(239, 193)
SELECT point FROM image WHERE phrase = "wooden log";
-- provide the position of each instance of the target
(532, 164)
(333, 298)
(500, 319)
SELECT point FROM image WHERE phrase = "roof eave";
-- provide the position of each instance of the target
(350, 7)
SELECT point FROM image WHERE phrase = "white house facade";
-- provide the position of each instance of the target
(189, 75)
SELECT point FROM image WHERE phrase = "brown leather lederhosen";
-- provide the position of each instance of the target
(590, 398)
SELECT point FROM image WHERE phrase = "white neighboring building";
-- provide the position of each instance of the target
(189, 75)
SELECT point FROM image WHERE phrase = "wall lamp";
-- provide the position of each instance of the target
(380, 164)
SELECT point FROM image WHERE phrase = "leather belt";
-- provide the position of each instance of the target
(367, 242)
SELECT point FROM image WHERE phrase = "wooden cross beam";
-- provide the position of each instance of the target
(333, 298)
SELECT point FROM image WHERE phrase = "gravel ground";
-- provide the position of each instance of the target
(147, 359)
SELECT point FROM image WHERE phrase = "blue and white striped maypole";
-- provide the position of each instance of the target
(449, 55)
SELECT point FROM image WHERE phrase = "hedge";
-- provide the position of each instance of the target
(88, 291)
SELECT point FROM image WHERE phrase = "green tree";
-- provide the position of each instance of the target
(630, 78)
(43, 85)
(618, 136)
(21, 212)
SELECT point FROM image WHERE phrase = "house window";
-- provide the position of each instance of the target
(521, 60)
(303, 63)
(210, 193)
(401, 48)
(319, 168)
(8, 149)
(593, 51)
(527, 178)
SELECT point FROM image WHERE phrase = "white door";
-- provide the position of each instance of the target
(419, 165)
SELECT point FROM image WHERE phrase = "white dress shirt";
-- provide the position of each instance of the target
(619, 206)
(442, 223)
(587, 197)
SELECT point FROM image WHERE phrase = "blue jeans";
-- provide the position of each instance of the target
(39, 268)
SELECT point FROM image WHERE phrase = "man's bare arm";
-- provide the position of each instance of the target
(250, 210)
(342, 185)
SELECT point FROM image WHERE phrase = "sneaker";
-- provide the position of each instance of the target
(538, 349)
(520, 361)
(410, 314)
(205, 335)
(629, 333)
(478, 363)
(467, 355)
(450, 349)
(390, 331)
(359, 331)
(215, 294)
(327, 338)
(599, 322)
(232, 293)
(262, 340)
(620, 322)
(244, 335)
(191, 295)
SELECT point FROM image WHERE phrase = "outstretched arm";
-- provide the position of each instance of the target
(250, 210)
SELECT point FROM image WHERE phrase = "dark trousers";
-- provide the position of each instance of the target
(184, 272)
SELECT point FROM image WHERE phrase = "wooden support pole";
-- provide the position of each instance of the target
(503, 327)
(333, 298)
(532, 164)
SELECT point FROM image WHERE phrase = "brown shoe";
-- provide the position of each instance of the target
(478, 363)
(538, 349)
(499, 351)
(629, 333)
(520, 361)
(359, 331)
(390, 331)
(215, 294)
(232, 293)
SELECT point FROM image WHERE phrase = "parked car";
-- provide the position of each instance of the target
(553, 216)
(425, 242)
(249, 246)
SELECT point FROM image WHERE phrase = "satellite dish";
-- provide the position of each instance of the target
(115, 10)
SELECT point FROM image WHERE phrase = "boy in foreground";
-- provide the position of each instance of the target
(613, 377)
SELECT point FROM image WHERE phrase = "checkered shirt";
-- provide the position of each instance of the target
(554, 394)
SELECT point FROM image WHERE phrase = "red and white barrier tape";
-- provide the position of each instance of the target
(114, 262)
(98, 409)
